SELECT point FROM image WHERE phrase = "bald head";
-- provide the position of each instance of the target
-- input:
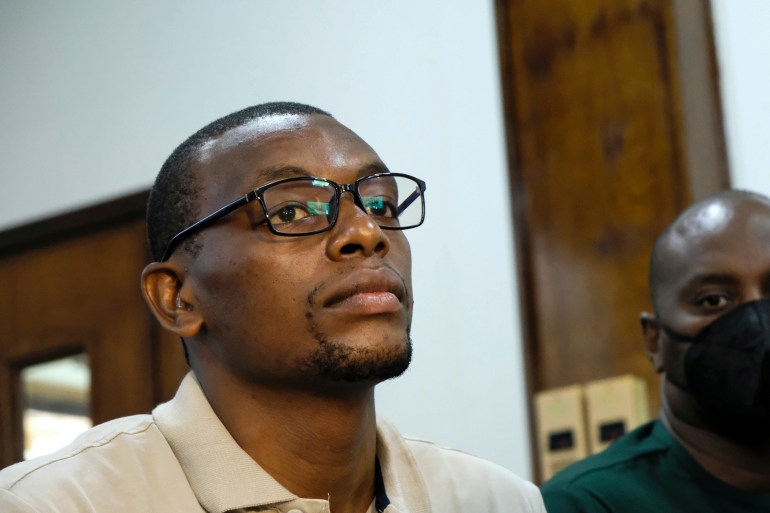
(720, 223)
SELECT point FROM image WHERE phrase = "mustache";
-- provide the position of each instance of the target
(312, 297)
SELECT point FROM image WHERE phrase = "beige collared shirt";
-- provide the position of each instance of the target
(182, 459)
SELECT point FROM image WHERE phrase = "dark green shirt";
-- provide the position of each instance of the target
(646, 470)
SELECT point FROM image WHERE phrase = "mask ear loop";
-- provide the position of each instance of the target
(676, 337)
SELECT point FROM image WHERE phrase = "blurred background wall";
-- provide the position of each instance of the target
(743, 45)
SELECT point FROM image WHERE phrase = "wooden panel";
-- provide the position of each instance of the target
(78, 288)
(701, 98)
(599, 163)
(10, 437)
(598, 145)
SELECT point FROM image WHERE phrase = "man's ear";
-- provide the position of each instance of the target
(651, 334)
(165, 292)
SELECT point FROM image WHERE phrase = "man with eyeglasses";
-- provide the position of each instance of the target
(281, 263)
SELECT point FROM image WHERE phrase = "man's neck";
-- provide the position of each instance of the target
(739, 463)
(319, 446)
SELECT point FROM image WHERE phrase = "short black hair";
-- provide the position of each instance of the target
(173, 202)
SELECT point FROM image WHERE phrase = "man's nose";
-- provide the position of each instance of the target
(355, 233)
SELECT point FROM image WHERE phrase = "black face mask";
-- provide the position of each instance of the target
(727, 368)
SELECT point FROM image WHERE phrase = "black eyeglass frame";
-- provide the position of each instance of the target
(339, 190)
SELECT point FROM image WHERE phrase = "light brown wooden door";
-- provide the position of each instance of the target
(614, 126)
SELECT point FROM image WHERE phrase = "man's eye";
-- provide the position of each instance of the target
(713, 301)
(288, 213)
(379, 206)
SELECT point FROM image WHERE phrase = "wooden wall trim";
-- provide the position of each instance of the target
(54, 229)
(704, 137)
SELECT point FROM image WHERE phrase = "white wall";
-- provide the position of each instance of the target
(743, 49)
(96, 94)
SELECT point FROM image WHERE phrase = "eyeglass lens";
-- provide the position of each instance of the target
(304, 206)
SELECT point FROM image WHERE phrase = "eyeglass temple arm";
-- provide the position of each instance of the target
(408, 201)
(209, 219)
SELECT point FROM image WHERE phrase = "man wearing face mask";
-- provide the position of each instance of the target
(709, 338)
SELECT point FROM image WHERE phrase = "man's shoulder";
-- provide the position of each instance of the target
(487, 486)
(458, 462)
(87, 446)
(106, 462)
(627, 454)
(630, 464)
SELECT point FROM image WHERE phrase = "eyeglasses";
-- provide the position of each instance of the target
(306, 205)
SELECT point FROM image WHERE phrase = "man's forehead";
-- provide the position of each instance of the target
(255, 152)
(698, 227)
(716, 232)
(255, 131)
(286, 137)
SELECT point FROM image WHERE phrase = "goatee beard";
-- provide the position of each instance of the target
(339, 362)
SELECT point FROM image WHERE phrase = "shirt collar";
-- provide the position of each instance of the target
(224, 477)
(221, 474)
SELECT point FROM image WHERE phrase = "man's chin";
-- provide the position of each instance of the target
(337, 362)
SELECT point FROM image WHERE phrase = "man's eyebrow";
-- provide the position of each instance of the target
(373, 168)
(277, 172)
(711, 278)
(273, 173)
